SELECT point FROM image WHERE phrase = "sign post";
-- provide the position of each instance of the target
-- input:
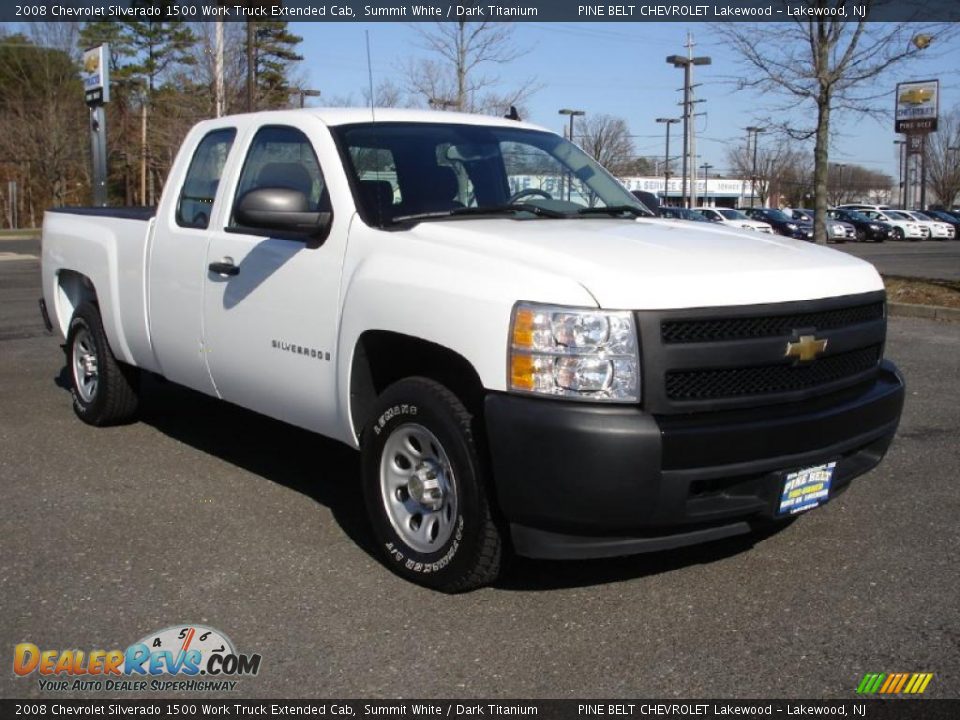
(917, 111)
(96, 86)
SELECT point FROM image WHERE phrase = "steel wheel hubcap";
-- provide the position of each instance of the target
(86, 370)
(417, 488)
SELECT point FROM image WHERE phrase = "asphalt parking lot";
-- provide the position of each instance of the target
(206, 513)
(929, 259)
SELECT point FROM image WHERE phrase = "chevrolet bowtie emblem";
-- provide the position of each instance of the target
(806, 348)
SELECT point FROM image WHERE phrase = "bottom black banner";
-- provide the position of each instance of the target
(552, 709)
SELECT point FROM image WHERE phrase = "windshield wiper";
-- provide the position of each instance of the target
(509, 209)
(615, 210)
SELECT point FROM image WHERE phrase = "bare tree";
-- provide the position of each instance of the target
(829, 64)
(41, 110)
(455, 78)
(607, 140)
(943, 158)
(777, 163)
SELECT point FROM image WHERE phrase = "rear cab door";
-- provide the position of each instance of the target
(177, 255)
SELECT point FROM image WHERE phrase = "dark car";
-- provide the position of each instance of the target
(867, 229)
(781, 223)
(678, 213)
(951, 218)
(651, 201)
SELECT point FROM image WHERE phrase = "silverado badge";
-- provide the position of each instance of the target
(806, 348)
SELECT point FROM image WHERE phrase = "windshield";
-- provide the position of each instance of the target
(421, 171)
(898, 215)
(853, 215)
(732, 214)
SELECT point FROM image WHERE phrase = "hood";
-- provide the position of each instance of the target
(658, 263)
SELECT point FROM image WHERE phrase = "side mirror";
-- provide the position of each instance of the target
(283, 211)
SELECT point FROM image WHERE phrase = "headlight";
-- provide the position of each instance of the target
(874, 227)
(574, 353)
(791, 226)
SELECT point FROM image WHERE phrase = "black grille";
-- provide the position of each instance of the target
(746, 328)
(768, 379)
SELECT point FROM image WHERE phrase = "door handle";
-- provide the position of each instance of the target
(224, 268)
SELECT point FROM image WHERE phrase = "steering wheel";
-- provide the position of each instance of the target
(530, 191)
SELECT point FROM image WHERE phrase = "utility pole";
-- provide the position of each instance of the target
(251, 67)
(218, 66)
(666, 155)
(687, 63)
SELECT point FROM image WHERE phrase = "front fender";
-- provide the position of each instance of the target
(455, 298)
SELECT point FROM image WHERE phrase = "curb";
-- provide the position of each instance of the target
(929, 312)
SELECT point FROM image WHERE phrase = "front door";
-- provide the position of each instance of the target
(270, 304)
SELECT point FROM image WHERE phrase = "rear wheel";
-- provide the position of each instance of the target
(104, 391)
(425, 489)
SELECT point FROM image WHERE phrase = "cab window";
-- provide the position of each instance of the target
(203, 177)
(282, 157)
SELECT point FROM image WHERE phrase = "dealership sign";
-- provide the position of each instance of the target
(917, 106)
(96, 74)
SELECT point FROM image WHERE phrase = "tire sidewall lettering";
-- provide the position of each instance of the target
(392, 412)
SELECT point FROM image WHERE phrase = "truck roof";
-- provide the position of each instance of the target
(349, 116)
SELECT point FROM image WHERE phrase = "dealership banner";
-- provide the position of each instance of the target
(917, 106)
(919, 11)
(464, 708)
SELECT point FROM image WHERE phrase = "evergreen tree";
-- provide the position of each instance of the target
(275, 53)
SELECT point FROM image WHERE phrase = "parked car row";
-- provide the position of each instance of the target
(864, 223)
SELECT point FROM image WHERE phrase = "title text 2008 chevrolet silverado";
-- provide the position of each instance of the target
(524, 357)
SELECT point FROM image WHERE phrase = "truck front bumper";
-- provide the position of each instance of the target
(579, 480)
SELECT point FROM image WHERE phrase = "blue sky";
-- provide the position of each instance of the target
(618, 69)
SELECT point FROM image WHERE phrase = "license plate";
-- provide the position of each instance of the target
(805, 488)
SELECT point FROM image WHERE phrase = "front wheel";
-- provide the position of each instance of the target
(898, 234)
(425, 489)
(104, 391)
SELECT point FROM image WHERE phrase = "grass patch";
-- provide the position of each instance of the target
(25, 233)
(944, 293)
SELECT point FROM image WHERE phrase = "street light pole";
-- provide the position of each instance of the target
(305, 93)
(706, 182)
(687, 63)
(573, 114)
(753, 177)
(666, 155)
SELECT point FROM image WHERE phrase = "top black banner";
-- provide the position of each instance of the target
(920, 11)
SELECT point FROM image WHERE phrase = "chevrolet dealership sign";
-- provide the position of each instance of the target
(917, 106)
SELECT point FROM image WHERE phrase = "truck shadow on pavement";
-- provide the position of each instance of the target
(328, 473)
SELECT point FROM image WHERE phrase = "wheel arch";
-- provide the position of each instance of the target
(73, 289)
(382, 357)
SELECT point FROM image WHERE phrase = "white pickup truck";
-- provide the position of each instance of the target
(526, 358)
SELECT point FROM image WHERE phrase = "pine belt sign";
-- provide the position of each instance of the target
(96, 75)
(917, 106)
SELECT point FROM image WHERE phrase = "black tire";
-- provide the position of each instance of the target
(470, 554)
(861, 235)
(898, 234)
(112, 398)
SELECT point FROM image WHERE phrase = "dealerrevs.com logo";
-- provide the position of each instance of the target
(180, 657)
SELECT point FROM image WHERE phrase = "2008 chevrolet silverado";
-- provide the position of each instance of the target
(524, 356)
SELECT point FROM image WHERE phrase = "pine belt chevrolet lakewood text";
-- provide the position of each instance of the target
(525, 357)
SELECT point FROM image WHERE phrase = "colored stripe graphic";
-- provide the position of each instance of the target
(894, 683)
